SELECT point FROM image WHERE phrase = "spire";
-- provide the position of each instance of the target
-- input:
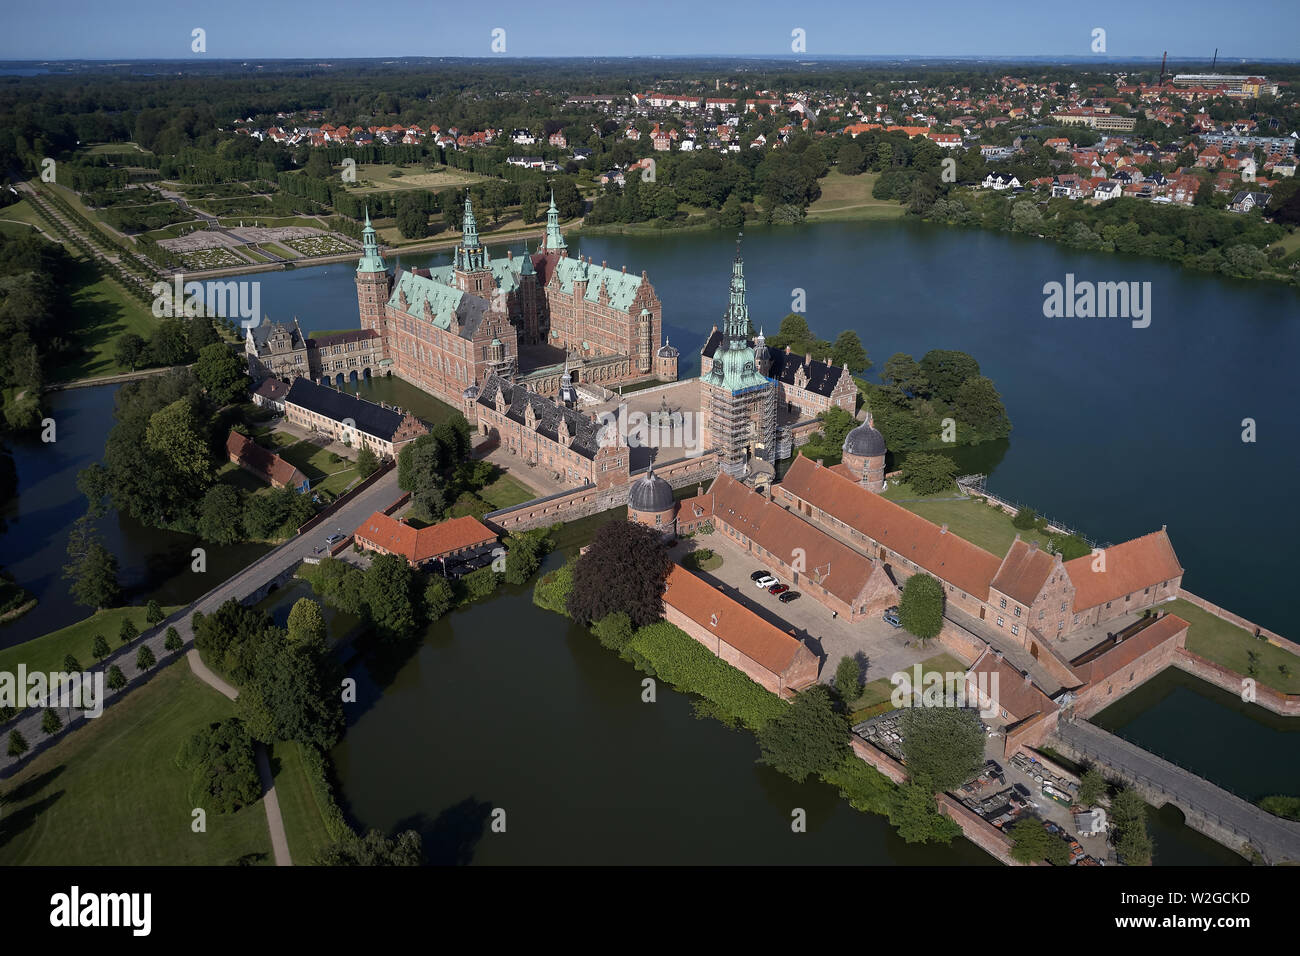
(469, 226)
(371, 261)
(737, 320)
(554, 238)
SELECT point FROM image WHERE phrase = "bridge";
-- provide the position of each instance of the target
(1223, 816)
(247, 586)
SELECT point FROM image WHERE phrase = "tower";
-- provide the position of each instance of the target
(738, 403)
(373, 281)
(864, 456)
(472, 273)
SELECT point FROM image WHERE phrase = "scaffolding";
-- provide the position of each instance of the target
(741, 421)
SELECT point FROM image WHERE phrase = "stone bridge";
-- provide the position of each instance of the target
(1220, 815)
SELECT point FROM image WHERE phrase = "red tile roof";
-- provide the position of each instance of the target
(731, 621)
(1024, 571)
(1130, 567)
(423, 544)
(945, 555)
(264, 462)
(1127, 651)
(832, 565)
(1015, 693)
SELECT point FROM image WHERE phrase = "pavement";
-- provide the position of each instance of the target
(883, 649)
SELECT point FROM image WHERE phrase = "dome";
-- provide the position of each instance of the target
(865, 442)
(650, 493)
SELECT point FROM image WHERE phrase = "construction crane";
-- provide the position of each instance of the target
(1162, 68)
(1215, 61)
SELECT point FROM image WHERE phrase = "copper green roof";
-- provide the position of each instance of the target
(620, 286)
(371, 260)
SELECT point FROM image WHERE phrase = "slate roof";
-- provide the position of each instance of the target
(822, 378)
(368, 417)
(513, 401)
(342, 338)
(262, 331)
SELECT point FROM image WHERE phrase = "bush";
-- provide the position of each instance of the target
(1025, 519)
(552, 590)
(481, 583)
(920, 610)
(614, 631)
(222, 765)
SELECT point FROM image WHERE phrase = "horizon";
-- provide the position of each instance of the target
(242, 29)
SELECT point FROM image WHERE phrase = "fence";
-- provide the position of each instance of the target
(977, 486)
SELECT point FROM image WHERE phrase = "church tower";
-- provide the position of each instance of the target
(472, 273)
(738, 403)
(373, 282)
(553, 246)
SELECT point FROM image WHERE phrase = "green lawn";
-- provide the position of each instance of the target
(46, 653)
(989, 528)
(1217, 640)
(111, 793)
(506, 491)
(876, 694)
(380, 176)
(104, 312)
(849, 197)
(303, 824)
(314, 462)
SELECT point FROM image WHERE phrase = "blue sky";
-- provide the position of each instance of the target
(334, 29)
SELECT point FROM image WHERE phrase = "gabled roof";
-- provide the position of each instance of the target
(263, 461)
(1130, 567)
(822, 378)
(423, 544)
(513, 401)
(830, 564)
(366, 416)
(1024, 571)
(621, 287)
(731, 621)
(1015, 693)
(945, 555)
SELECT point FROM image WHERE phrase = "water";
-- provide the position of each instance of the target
(1241, 747)
(1117, 430)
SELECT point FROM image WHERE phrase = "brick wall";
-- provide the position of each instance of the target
(1288, 705)
(802, 671)
(1103, 692)
(1030, 733)
(1277, 640)
(978, 830)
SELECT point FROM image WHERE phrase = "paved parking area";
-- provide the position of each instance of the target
(883, 649)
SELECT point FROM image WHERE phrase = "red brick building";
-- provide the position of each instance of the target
(384, 534)
(265, 464)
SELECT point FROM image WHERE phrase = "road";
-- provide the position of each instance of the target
(238, 587)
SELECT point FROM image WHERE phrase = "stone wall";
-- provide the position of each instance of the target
(978, 830)
(1101, 693)
(1030, 733)
(1277, 640)
(1288, 705)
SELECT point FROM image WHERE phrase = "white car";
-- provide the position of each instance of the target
(766, 582)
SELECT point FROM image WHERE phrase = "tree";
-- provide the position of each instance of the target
(481, 583)
(1024, 519)
(524, 555)
(915, 814)
(70, 664)
(1128, 817)
(115, 679)
(943, 747)
(848, 350)
(388, 594)
(614, 631)
(438, 597)
(1032, 842)
(905, 373)
(130, 350)
(624, 569)
(732, 214)
(175, 436)
(222, 765)
(221, 373)
(17, 744)
(848, 678)
(91, 567)
(979, 405)
(306, 621)
(128, 631)
(809, 738)
(220, 515)
(144, 658)
(947, 369)
(920, 609)
(929, 474)
(153, 613)
(172, 641)
(1092, 787)
(412, 220)
(367, 462)
(100, 648)
(374, 849)
(51, 722)
(850, 159)
(552, 590)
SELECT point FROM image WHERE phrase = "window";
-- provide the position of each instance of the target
(1040, 614)
(1017, 612)
(1002, 603)
(1062, 605)
(1015, 628)
(1060, 625)
(1000, 622)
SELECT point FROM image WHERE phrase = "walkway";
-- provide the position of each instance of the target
(1163, 782)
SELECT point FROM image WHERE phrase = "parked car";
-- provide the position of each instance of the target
(766, 582)
(335, 538)
(789, 596)
(759, 575)
(891, 617)
(778, 589)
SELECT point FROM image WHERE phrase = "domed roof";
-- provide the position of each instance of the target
(650, 493)
(864, 441)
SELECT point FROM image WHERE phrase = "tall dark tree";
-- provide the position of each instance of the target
(809, 738)
(623, 570)
(91, 568)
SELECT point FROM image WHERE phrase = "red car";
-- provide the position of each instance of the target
(778, 589)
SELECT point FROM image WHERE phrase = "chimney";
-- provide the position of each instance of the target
(625, 270)
(602, 263)
(943, 529)
(1028, 679)
(510, 255)
(807, 358)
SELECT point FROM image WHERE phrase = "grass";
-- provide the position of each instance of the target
(380, 176)
(110, 793)
(703, 560)
(876, 694)
(981, 525)
(46, 653)
(506, 491)
(1290, 242)
(314, 462)
(303, 825)
(1224, 643)
(849, 197)
(104, 313)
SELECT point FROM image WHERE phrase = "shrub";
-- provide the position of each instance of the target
(614, 631)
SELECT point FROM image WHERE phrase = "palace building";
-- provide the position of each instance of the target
(522, 318)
